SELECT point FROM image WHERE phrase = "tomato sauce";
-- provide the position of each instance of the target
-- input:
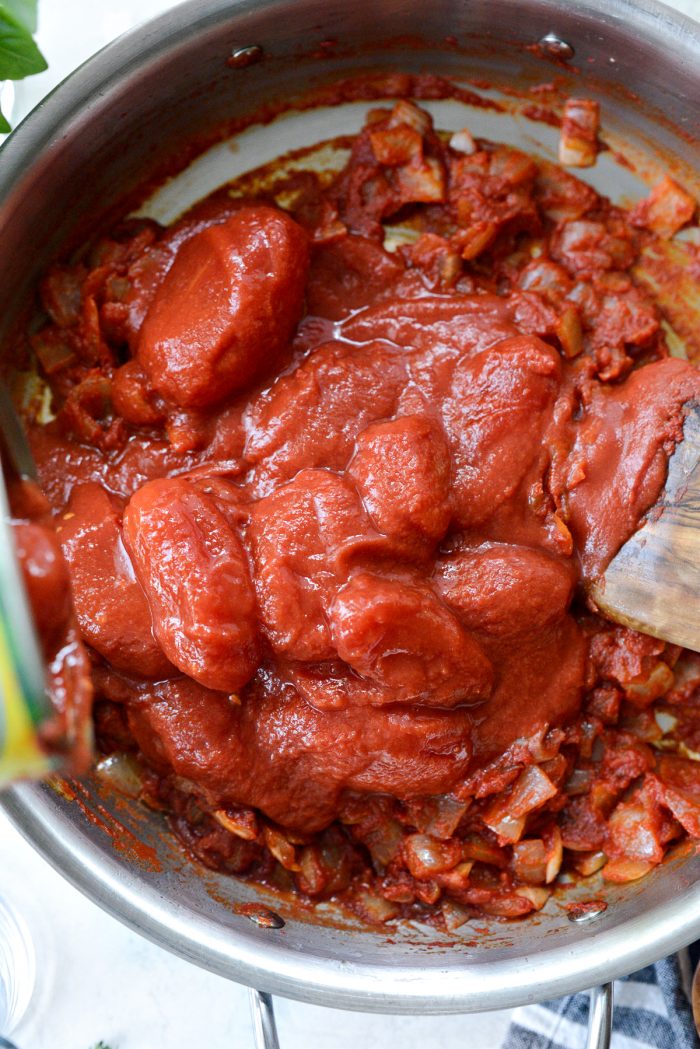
(329, 512)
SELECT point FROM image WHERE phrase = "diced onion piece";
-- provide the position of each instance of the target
(684, 807)
(635, 829)
(123, 772)
(531, 790)
(384, 841)
(555, 855)
(578, 141)
(458, 878)
(53, 351)
(478, 849)
(427, 856)
(463, 142)
(666, 210)
(454, 915)
(442, 815)
(281, 848)
(544, 276)
(405, 112)
(568, 331)
(311, 875)
(536, 894)
(375, 908)
(241, 822)
(330, 231)
(686, 752)
(422, 183)
(428, 892)
(508, 828)
(562, 535)
(643, 725)
(396, 236)
(544, 744)
(687, 672)
(659, 681)
(511, 165)
(587, 863)
(399, 893)
(530, 861)
(513, 905)
(396, 145)
(578, 782)
(477, 238)
(623, 870)
(506, 815)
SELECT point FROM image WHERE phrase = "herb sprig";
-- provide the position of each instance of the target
(19, 54)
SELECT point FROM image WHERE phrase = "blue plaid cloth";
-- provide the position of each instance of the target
(651, 1011)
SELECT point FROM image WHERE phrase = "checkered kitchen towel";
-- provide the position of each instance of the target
(652, 1011)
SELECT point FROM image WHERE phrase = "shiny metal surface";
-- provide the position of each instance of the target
(264, 1026)
(600, 1017)
(113, 124)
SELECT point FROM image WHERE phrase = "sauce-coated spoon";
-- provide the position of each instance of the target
(653, 583)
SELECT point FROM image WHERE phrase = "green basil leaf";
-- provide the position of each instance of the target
(4, 126)
(22, 11)
(19, 55)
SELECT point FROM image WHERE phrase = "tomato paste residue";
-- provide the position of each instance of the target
(328, 511)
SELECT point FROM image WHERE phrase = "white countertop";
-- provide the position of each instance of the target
(98, 980)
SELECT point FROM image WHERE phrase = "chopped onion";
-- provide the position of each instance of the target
(587, 863)
(666, 210)
(396, 145)
(405, 112)
(458, 877)
(454, 915)
(530, 861)
(480, 850)
(508, 828)
(396, 236)
(241, 822)
(124, 772)
(281, 848)
(578, 141)
(311, 876)
(422, 183)
(687, 671)
(620, 871)
(428, 892)
(427, 856)
(384, 842)
(537, 895)
(659, 681)
(438, 816)
(578, 782)
(476, 239)
(375, 908)
(531, 790)
(463, 142)
(510, 905)
(569, 333)
(555, 854)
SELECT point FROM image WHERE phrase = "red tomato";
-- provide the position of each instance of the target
(226, 309)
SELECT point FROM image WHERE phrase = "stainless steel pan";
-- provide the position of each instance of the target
(113, 124)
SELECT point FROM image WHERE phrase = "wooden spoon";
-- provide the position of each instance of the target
(653, 583)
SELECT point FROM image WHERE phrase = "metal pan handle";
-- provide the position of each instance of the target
(599, 1018)
(263, 1013)
(600, 1015)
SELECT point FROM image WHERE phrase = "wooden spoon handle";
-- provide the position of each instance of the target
(653, 582)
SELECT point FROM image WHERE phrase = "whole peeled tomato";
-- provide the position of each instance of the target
(226, 309)
(193, 568)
